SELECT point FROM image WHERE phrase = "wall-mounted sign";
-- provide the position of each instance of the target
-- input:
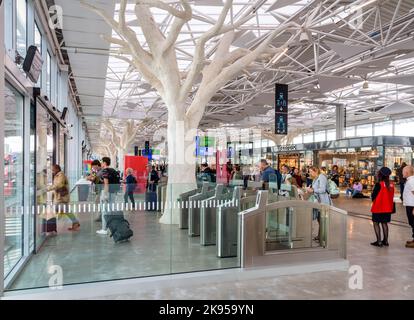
(32, 64)
(289, 147)
(281, 109)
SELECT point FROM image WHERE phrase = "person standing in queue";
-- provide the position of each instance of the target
(61, 196)
(401, 179)
(111, 181)
(298, 178)
(206, 173)
(319, 190)
(266, 175)
(335, 175)
(96, 178)
(382, 206)
(153, 180)
(286, 176)
(130, 185)
(408, 174)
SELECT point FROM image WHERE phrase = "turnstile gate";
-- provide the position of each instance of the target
(208, 215)
(195, 209)
(228, 226)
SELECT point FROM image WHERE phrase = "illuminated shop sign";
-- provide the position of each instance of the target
(281, 109)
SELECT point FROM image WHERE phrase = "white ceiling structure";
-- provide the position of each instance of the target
(356, 53)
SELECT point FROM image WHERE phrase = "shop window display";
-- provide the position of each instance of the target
(353, 164)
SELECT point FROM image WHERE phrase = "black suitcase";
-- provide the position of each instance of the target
(49, 225)
(118, 227)
(151, 201)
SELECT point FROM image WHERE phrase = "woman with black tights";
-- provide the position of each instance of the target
(382, 206)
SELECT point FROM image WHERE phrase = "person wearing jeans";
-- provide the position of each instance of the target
(408, 200)
(130, 185)
(107, 198)
(356, 188)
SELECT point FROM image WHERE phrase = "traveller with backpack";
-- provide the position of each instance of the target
(111, 185)
(130, 185)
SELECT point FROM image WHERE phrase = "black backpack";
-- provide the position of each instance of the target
(114, 180)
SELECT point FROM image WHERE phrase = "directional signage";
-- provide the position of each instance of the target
(281, 109)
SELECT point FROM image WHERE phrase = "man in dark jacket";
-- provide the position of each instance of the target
(130, 185)
(153, 179)
(268, 174)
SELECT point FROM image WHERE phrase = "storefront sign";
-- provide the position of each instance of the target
(288, 147)
(281, 109)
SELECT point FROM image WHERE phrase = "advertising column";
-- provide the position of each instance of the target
(281, 109)
(2, 93)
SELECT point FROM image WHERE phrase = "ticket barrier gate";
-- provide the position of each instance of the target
(195, 209)
(281, 225)
(161, 195)
(228, 225)
(258, 250)
(183, 200)
(208, 215)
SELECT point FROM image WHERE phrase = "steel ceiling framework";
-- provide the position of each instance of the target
(385, 27)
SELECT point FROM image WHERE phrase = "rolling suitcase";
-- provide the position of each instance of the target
(49, 225)
(119, 227)
(151, 200)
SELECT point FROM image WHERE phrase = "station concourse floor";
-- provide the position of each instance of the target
(387, 272)
(85, 256)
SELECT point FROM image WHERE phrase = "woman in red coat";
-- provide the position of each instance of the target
(382, 206)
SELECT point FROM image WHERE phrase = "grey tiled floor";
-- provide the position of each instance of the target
(388, 273)
(85, 256)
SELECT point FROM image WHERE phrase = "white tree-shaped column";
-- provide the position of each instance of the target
(157, 63)
(127, 136)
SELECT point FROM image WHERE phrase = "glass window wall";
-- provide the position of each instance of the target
(383, 129)
(320, 136)
(21, 27)
(38, 44)
(44, 160)
(8, 26)
(349, 132)
(48, 75)
(403, 127)
(331, 135)
(364, 130)
(308, 137)
(13, 178)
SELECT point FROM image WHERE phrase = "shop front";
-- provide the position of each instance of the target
(356, 158)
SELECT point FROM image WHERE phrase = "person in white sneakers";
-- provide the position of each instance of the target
(408, 200)
(108, 195)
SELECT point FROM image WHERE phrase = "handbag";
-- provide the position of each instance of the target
(394, 208)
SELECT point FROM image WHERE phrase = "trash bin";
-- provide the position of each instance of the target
(83, 191)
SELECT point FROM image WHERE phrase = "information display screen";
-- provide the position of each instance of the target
(281, 109)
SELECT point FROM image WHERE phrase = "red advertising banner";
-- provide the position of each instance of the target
(139, 166)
